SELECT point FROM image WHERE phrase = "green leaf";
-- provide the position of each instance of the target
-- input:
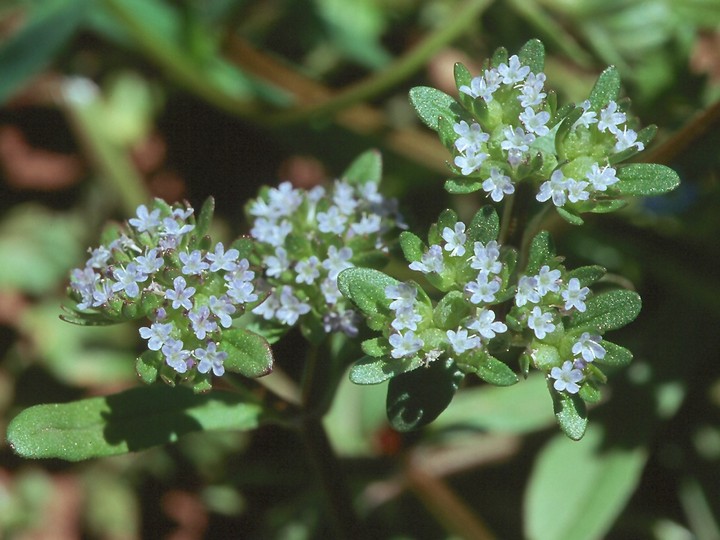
(492, 370)
(615, 355)
(571, 218)
(500, 56)
(370, 370)
(126, 422)
(365, 288)
(484, 227)
(205, 218)
(589, 393)
(412, 247)
(431, 104)
(533, 54)
(587, 275)
(542, 252)
(450, 310)
(366, 168)
(376, 347)
(570, 413)
(463, 77)
(608, 311)
(593, 481)
(609, 205)
(37, 43)
(646, 179)
(146, 366)
(415, 399)
(248, 353)
(606, 89)
(462, 186)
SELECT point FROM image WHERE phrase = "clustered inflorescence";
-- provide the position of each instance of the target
(304, 239)
(160, 268)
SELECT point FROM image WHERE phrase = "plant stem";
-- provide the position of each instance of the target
(506, 218)
(533, 227)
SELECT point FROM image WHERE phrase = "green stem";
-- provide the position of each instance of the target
(507, 218)
(533, 227)
(403, 67)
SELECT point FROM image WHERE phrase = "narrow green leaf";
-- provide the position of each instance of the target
(370, 370)
(608, 311)
(126, 422)
(500, 56)
(447, 218)
(484, 227)
(609, 205)
(205, 218)
(542, 252)
(615, 355)
(462, 186)
(450, 310)
(376, 347)
(366, 168)
(587, 275)
(571, 218)
(493, 371)
(365, 288)
(589, 393)
(416, 398)
(248, 353)
(146, 366)
(431, 104)
(412, 247)
(594, 483)
(533, 54)
(646, 179)
(606, 89)
(463, 77)
(571, 414)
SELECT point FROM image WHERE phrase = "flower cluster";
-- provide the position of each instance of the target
(158, 267)
(304, 239)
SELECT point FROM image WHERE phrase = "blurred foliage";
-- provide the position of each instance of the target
(107, 103)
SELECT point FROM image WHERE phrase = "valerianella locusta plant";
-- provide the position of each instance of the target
(162, 268)
(304, 239)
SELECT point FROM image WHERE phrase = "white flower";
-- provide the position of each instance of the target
(276, 264)
(516, 139)
(211, 358)
(574, 295)
(284, 199)
(404, 345)
(610, 118)
(603, 178)
(337, 261)
(547, 280)
(482, 86)
(482, 290)
(175, 356)
(470, 162)
(145, 221)
(527, 291)
(368, 224)
(193, 263)
(151, 262)
(588, 117)
(290, 307)
(577, 190)
(344, 197)
(329, 289)
(455, 239)
(331, 221)
(498, 185)
(513, 72)
(486, 325)
(307, 270)
(201, 322)
(99, 258)
(627, 138)
(566, 378)
(535, 121)
(471, 136)
(406, 318)
(128, 279)
(485, 258)
(554, 188)
(157, 334)
(267, 308)
(588, 347)
(531, 93)
(221, 259)
(222, 308)
(402, 296)
(540, 323)
(272, 233)
(431, 261)
(460, 341)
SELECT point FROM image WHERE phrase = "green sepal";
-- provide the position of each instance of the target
(646, 179)
(450, 310)
(589, 393)
(463, 77)
(587, 275)
(431, 104)
(561, 114)
(608, 311)
(462, 185)
(479, 109)
(369, 370)
(203, 385)
(248, 353)
(500, 56)
(564, 128)
(82, 318)
(568, 216)
(204, 220)
(524, 361)
(447, 218)
(608, 205)
(484, 226)
(376, 347)
(127, 422)
(532, 54)
(365, 288)
(570, 413)
(415, 399)
(245, 246)
(146, 366)
(489, 369)
(606, 89)
(446, 132)
(366, 168)
(542, 252)
(412, 247)
(615, 355)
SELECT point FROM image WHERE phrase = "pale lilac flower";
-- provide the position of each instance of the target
(486, 325)
(547, 280)
(482, 86)
(535, 121)
(222, 308)
(268, 307)
(128, 279)
(337, 260)
(406, 318)
(329, 289)
(211, 358)
(516, 139)
(455, 239)
(577, 190)
(603, 178)
(174, 229)
(527, 291)
(498, 185)
(588, 116)
(223, 260)
(555, 188)
(182, 214)
(201, 322)
(175, 356)
(368, 224)
(259, 208)
(272, 233)
(241, 291)
(540, 322)
(513, 72)
(610, 118)
(157, 334)
(193, 263)
(284, 199)
(276, 264)
(485, 258)
(151, 262)
(345, 322)
(290, 307)
(531, 93)
(344, 198)
(470, 162)
(471, 137)
(331, 221)
(315, 194)
(626, 139)
(369, 192)
(181, 294)
(103, 292)
(308, 270)
(482, 289)
(402, 295)
(574, 295)
(99, 257)
(404, 345)
(566, 378)
(460, 341)
(431, 261)
(588, 346)
(145, 221)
